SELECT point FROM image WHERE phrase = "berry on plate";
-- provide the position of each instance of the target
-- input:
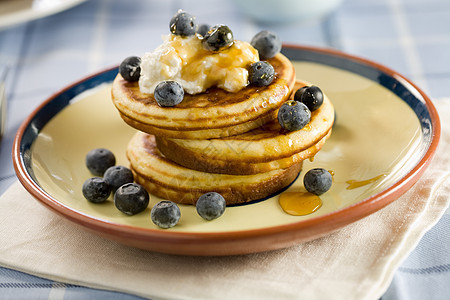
(99, 160)
(117, 176)
(317, 181)
(165, 214)
(210, 206)
(96, 190)
(131, 198)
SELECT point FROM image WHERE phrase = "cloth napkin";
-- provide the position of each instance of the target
(356, 262)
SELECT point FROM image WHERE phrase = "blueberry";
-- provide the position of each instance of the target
(99, 160)
(117, 176)
(293, 115)
(261, 73)
(210, 206)
(267, 43)
(131, 198)
(311, 96)
(317, 181)
(183, 23)
(165, 214)
(130, 68)
(96, 190)
(218, 37)
(203, 29)
(168, 93)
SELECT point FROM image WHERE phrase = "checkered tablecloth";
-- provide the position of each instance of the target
(409, 36)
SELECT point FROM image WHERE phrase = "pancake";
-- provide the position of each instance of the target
(200, 162)
(258, 150)
(168, 180)
(212, 114)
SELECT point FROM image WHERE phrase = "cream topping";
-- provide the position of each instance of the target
(184, 60)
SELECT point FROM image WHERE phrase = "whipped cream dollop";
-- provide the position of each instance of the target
(183, 59)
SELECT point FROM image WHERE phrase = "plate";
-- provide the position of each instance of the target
(386, 133)
(13, 12)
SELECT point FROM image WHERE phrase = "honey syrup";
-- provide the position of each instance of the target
(353, 184)
(299, 203)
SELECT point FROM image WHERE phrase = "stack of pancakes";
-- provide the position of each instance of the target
(217, 141)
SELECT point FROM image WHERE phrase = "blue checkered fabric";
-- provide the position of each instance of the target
(410, 36)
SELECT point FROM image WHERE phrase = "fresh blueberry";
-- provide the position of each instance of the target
(218, 37)
(183, 23)
(261, 73)
(130, 68)
(311, 96)
(131, 198)
(117, 176)
(168, 93)
(165, 214)
(203, 29)
(99, 160)
(210, 206)
(293, 115)
(96, 190)
(317, 181)
(267, 43)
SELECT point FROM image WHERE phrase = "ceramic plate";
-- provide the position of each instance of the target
(13, 12)
(385, 135)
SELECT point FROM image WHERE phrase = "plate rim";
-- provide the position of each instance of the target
(286, 234)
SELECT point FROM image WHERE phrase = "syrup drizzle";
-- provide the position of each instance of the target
(305, 203)
(353, 184)
(299, 203)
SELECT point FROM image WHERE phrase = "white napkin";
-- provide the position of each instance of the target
(357, 262)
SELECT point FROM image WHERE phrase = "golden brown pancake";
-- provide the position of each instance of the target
(259, 150)
(205, 163)
(212, 114)
(168, 180)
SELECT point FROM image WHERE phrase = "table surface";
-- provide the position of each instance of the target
(44, 55)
